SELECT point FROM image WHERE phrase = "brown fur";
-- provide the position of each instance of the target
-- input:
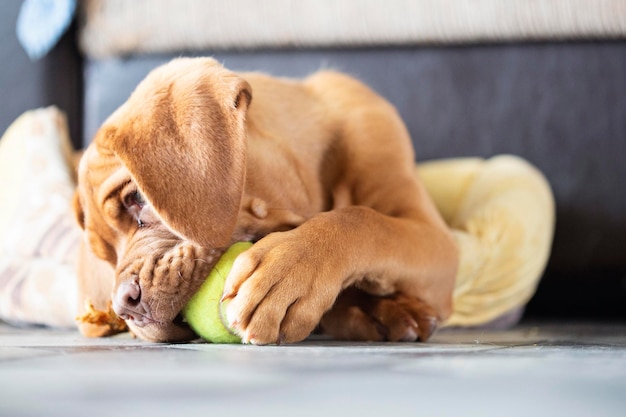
(319, 173)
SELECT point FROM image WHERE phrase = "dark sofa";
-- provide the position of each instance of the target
(561, 105)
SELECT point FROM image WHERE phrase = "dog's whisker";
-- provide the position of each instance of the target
(182, 277)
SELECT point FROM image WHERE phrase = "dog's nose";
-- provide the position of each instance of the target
(127, 303)
(128, 293)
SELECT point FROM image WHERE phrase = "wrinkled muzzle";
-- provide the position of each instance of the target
(154, 281)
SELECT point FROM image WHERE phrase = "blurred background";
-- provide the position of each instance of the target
(542, 80)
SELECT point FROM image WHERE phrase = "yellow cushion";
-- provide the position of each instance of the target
(501, 211)
(38, 235)
(502, 214)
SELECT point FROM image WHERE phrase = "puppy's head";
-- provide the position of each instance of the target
(160, 188)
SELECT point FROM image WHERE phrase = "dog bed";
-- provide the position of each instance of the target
(501, 211)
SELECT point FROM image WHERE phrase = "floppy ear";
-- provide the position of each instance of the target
(184, 144)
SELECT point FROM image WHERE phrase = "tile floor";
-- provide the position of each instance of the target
(549, 369)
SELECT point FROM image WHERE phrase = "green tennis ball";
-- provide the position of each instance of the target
(204, 312)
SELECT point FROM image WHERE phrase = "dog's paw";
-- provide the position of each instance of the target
(358, 315)
(279, 289)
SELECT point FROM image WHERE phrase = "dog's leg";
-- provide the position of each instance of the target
(357, 315)
(283, 285)
(388, 240)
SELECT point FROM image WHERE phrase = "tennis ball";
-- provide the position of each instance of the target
(204, 312)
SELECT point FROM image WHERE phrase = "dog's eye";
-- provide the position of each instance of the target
(134, 200)
(134, 203)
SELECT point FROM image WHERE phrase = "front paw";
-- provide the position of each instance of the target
(358, 315)
(279, 289)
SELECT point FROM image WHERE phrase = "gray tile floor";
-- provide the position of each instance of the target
(554, 369)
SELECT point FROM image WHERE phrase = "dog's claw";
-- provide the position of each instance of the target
(427, 327)
(411, 332)
(227, 296)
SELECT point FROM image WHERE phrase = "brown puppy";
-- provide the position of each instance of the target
(319, 173)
